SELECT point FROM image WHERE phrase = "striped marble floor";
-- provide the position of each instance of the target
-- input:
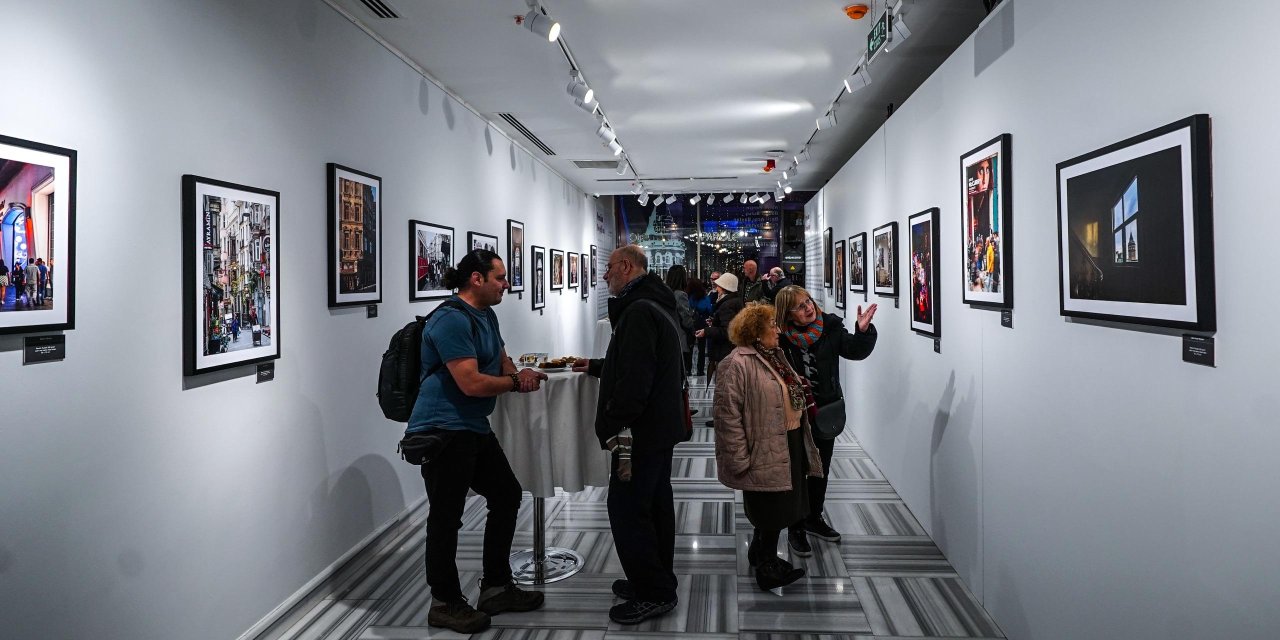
(886, 579)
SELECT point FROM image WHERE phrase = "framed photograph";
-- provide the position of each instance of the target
(858, 263)
(826, 258)
(586, 278)
(573, 270)
(557, 270)
(839, 275)
(1135, 230)
(476, 240)
(430, 254)
(515, 255)
(986, 230)
(538, 272)
(884, 257)
(355, 237)
(594, 260)
(231, 274)
(926, 315)
(37, 237)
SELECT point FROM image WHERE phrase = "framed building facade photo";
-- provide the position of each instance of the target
(923, 272)
(231, 275)
(987, 224)
(586, 278)
(840, 275)
(430, 254)
(858, 263)
(884, 259)
(557, 270)
(515, 255)
(538, 273)
(477, 240)
(355, 237)
(826, 258)
(573, 270)
(1135, 230)
(37, 237)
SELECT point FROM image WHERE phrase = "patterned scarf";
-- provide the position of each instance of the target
(804, 337)
(795, 387)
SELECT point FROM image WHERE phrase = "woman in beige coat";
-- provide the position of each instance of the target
(763, 443)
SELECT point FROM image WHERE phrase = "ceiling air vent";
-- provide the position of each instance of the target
(519, 126)
(380, 9)
(596, 164)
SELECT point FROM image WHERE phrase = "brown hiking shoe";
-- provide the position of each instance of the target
(458, 616)
(508, 597)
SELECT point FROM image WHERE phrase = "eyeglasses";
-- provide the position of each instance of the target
(808, 302)
(610, 265)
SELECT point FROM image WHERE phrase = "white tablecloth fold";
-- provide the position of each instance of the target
(604, 331)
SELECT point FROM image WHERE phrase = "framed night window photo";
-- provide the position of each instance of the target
(231, 274)
(884, 259)
(1135, 230)
(355, 237)
(839, 275)
(37, 237)
(515, 255)
(826, 258)
(987, 224)
(858, 263)
(477, 240)
(923, 270)
(538, 273)
(586, 278)
(557, 270)
(430, 254)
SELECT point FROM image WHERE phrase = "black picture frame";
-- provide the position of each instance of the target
(839, 275)
(884, 260)
(538, 274)
(228, 280)
(986, 275)
(477, 240)
(51, 206)
(572, 266)
(432, 248)
(1149, 201)
(557, 270)
(515, 255)
(826, 258)
(586, 285)
(355, 237)
(924, 248)
(594, 260)
(858, 262)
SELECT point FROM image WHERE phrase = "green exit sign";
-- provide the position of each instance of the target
(878, 36)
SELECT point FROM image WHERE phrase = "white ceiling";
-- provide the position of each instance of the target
(694, 88)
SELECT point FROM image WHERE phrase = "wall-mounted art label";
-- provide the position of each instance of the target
(44, 349)
(1006, 318)
(1197, 350)
(371, 311)
(937, 345)
(266, 372)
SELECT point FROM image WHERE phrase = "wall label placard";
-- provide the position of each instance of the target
(37, 349)
(937, 345)
(371, 311)
(266, 372)
(1197, 350)
(1006, 318)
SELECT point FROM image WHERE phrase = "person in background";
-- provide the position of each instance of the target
(44, 281)
(764, 445)
(701, 304)
(714, 293)
(728, 304)
(749, 283)
(678, 280)
(775, 281)
(814, 343)
(31, 279)
(4, 282)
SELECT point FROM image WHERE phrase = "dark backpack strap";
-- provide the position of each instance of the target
(676, 327)
(452, 304)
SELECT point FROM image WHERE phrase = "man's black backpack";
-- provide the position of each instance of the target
(401, 374)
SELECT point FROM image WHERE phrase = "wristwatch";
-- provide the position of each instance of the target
(515, 382)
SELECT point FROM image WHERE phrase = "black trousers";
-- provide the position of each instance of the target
(701, 345)
(818, 486)
(469, 461)
(642, 515)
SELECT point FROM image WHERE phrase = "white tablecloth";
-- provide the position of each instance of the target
(549, 435)
(604, 331)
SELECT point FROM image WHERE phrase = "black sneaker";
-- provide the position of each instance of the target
(637, 611)
(776, 573)
(799, 543)
(624, 590)
(508, 597)
(457, 616)
(818, 528)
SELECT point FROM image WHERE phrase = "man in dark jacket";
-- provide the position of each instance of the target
(750, 285)
(641, 406)
(775, 281)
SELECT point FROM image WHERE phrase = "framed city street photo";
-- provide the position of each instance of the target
(557, 270)
(839, 275)
(538, 273)
(858, 263)
(594, 260)
(476, 240)
(37, 237)
(826, 258)
(231, 274)
(355, 237)
(573, 270)
(1135, 230)
(430, 254)
(515, 255)
(986, 230)
(884, 259)
(923, 270)
(586, 278)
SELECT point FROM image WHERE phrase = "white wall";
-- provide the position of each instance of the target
(139, 504)
(1085, 481)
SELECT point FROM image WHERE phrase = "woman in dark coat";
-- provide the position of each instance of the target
(814, 343)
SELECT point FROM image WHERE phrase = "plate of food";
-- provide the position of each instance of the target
(558, 364)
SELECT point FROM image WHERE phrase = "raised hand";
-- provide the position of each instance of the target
(864, 319)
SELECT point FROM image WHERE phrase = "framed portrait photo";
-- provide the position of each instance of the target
(430, 254)
(884, 259)
(477, 240)
(839, 275)
(986, 225)
(594, 260)
(515, 255)
(557, 270)
(826, 258)
(37, 237)
(922, 272)
(231, 275)
(573, 270)
(538, 273)
(858, 263)
(1135, 230)
(355, 237)
(586, 278)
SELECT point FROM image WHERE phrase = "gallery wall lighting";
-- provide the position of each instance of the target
(622, 165)
(606, 134)
(538, 23)
(858, 80)
(615, 147)
(644, 199)
(579, 89)
(828, 121)
(743, 199)
(728, 198)
(695, 199)
(671, 199)
(764, 199)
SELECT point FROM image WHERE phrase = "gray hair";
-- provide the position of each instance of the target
(635, 255)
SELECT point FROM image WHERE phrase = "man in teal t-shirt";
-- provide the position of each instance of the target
(467, 368)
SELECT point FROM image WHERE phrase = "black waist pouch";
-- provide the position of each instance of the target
(421, 448)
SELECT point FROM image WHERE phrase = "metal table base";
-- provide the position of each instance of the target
(543, 565)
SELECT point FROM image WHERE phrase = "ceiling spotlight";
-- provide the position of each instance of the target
(579, 89)
(615, 147)
(541, 24)
(622, 165)
(828, 121)
(728, 198)
(637, 189)
(778, 195)
(670, 199)
(784, 175)
(695, 199)
(858, 80)
(803, 156)
(606, 134)
(755, 197)
(643, 199)
(795, 171)
(743, 199)
(900, 28)
(765, 198)
(786, 187)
